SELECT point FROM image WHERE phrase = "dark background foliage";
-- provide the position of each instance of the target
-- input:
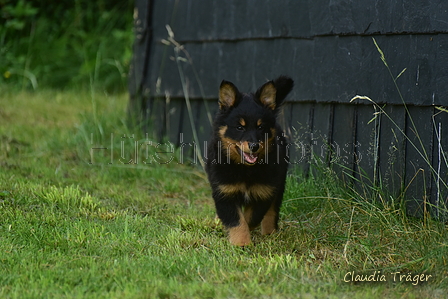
(59, 44)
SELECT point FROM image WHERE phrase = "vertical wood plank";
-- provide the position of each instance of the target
(439, 192)
(392, 149)
(320, 148)
(300, 135)
(419, 153)
(366, 150)
(343, 144)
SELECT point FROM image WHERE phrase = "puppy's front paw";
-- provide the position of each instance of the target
(239, 235)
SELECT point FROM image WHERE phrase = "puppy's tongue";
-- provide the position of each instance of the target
(251, 158)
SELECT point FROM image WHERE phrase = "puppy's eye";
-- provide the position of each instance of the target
(260, 127)
(240, 128)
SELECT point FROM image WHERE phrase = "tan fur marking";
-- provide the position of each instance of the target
(229, 146)
(273, 133)
(227, 96)
(247, 213)
(269, 142)
(268, 96)
(222, 131)
(259, 191)
(240, 235)
(268, 223)
(232, 189)
(242, 122)
(259, 122)
(244, 146)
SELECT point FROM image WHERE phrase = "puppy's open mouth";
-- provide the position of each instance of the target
(249, 158)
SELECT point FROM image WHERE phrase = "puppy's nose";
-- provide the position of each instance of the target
(254, 147)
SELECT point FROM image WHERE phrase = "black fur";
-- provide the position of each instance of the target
(250, 183)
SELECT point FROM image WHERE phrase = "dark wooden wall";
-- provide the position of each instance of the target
(327, 47)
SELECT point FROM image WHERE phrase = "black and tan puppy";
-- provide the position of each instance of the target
(247, 158)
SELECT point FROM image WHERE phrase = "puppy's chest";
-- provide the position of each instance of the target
(248, 191)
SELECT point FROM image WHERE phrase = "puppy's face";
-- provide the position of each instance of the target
(247, 126)
(247, 138)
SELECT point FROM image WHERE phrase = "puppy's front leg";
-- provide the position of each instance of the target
(233, 220)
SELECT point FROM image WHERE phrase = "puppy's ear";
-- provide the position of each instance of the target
(267, 95)
(273, 93)
(228, 95)
(284, 86)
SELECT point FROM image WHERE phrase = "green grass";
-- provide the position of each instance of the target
(70, 229)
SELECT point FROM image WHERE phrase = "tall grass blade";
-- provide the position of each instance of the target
(401, 73)
(177, 48)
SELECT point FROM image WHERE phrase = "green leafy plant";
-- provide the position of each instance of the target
(80, 44)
